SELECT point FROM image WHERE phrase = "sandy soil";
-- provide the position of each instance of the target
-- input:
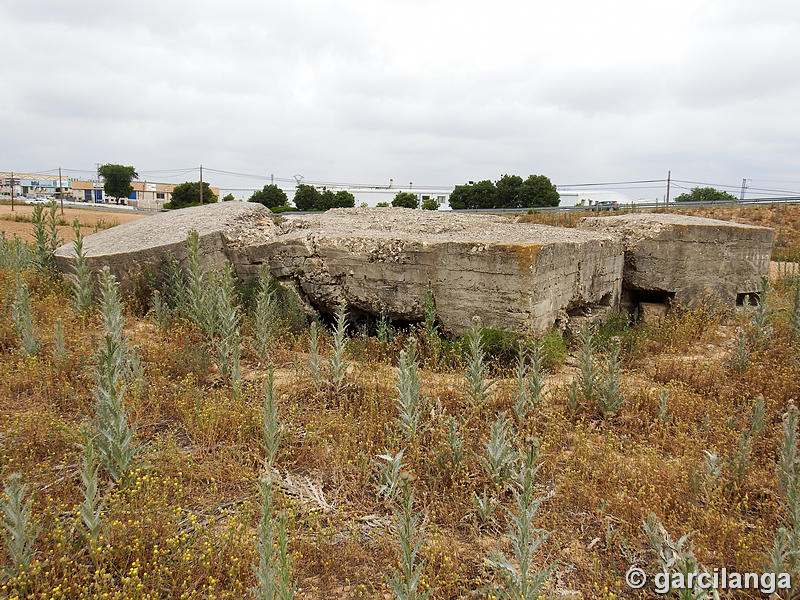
(780, 268)
(88, 219)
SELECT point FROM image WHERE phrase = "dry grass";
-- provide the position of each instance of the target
(18, 221)
(784, 218)
(185, 525)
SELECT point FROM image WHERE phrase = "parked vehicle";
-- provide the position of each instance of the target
(605, 205)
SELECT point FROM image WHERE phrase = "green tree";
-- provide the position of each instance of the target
(510, 192)
(188, 194)
(430, 204)
(326, 200)
(344, 199)
(306, 197)
(271, 196)
(117, 180)
(459, 197)
(705, 194)
(228, 198)
(474, 195)
(484, 195)
(406, 200)
(537, 190)
(508, 187)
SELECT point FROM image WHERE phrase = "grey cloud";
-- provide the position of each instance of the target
(436, 92)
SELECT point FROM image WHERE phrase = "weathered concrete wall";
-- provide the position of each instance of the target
(131, 249)
(513, 275)
(690, 257)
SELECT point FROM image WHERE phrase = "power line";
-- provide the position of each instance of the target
(245, 189)
(777, 180)
(260, 177)
(637, 184)
(178, 172)
(36, 172)
(169, 175)
(606, 189)
(760, 189)
(186, 169)
(612, 183)
(736, 187)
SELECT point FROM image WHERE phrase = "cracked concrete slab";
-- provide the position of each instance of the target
(687, 258)
(513, 275)
(133, 249)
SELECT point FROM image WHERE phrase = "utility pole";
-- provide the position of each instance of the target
(666, 198)
(12, 191)
(60, 191)
(272, 178)
(744, 187)
(201, 184)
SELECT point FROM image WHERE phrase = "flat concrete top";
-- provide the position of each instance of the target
(662, 219)
(406, 224)
(167, 228)
(246, 224)
(671, 226)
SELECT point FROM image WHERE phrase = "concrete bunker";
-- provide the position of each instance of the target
(674, 258)
(515, 276)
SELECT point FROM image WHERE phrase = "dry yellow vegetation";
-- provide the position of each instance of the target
(18, 221)
(183, 525)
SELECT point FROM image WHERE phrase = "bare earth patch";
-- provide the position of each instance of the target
(88, 219)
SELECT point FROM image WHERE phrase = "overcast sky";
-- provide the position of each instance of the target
(434, 92)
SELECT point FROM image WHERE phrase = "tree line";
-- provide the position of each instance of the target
(306, 197)
(409, 200)
(510, 191)
(705, 194)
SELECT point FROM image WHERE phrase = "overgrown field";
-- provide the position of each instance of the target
(18, 221)
(204, 441)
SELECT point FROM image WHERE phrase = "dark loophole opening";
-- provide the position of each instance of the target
(653, 296)
(747, 298)
(362, 322)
